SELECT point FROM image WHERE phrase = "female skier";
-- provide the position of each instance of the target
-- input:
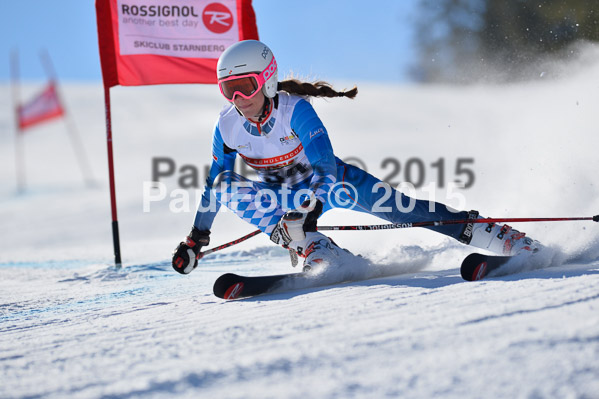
(275, 130)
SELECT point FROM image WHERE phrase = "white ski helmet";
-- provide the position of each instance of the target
(250, 56)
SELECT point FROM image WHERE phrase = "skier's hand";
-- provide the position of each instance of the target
(294, 224)
(185, 256)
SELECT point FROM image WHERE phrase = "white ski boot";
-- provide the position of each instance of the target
(296, 231)
(502, 239)
(320, 251)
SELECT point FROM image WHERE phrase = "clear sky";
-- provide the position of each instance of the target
(325, 39)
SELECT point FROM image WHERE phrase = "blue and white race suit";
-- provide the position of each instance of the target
(293, 157)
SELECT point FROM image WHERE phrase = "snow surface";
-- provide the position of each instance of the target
(71, 325)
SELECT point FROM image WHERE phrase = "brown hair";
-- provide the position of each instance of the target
(314, 89)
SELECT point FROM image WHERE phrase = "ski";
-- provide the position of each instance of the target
(477, 266)
(233, 286)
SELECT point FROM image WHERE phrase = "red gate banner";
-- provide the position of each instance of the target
(42, 107)
(148, 42)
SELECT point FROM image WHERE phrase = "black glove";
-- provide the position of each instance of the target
(294, 224)
(185, 256)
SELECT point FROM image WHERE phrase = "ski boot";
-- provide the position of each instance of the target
(320, 251)
(502, 239)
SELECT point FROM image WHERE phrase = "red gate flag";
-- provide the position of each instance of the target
(148, 42)
(44, 106)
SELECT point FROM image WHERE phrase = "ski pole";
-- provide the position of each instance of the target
(406, 225)
(229, 244)
(449, 222)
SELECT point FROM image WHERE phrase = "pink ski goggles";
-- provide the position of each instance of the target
(246, 85)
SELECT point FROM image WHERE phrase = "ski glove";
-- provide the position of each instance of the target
(294, 224)
(185, 256)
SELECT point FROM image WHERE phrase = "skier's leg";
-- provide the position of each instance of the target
(256, 203)
(360, 191)
(363, 192)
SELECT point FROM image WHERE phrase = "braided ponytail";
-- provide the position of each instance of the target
(315, 89)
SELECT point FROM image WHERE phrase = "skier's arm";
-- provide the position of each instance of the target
(185, 256)
(315, 139)
(223, 158)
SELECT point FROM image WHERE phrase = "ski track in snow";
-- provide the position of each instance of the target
(71, 325)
